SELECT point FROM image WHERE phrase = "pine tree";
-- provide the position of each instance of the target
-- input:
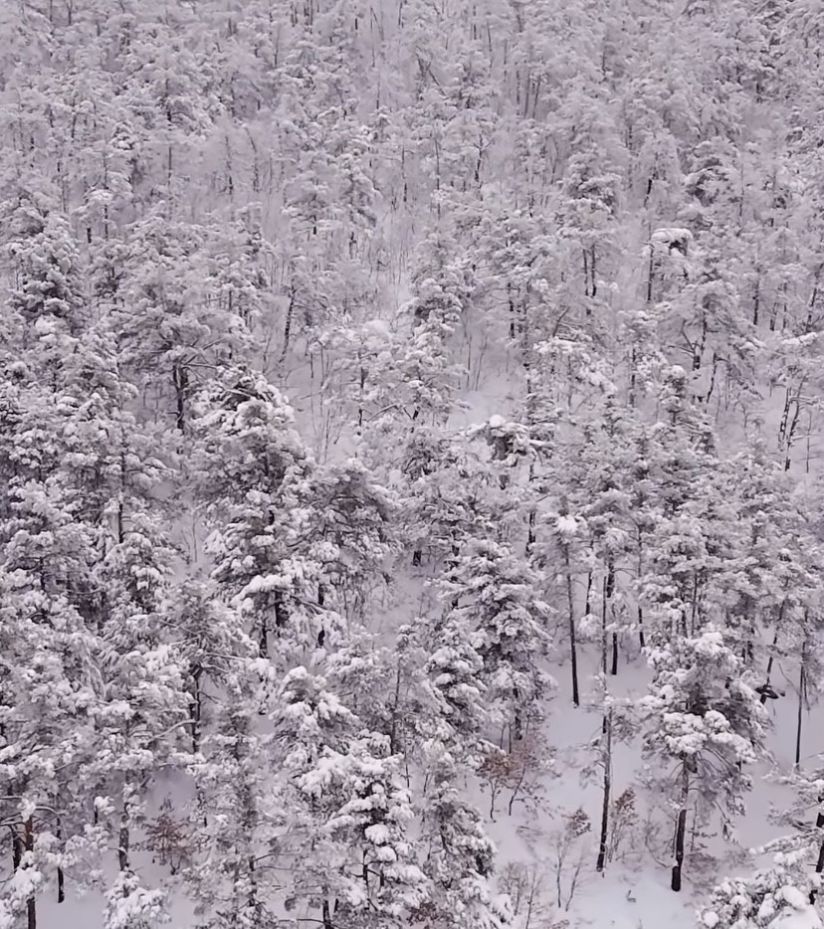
(171, 329)
(702, 715)
(495, 606)
(252, 476)
(344, 790)
(776, 896)
(234, 819)
(48, 551)
(459, 858)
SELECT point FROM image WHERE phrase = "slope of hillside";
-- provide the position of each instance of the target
(410, 440)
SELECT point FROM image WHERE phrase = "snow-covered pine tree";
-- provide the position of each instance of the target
(702, 716)
(459, 859)
(345, 833)
(252, 473)
(775, 897)
(495, 604)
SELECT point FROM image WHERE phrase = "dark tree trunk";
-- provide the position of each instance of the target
(802, 688)
(511, 302)
(681, 830)
(180, 377)
(61, 880)
(756, 299)
(393, 732)
(196, 706)
(16, 849)
(252, 898)
(530, 532)
(771, 659)
(360, 403)
(123, 839)
(281, 611)
(573, 648)
(593, 282)
(605, 800)
(31, 903)
(604, 601)
(287, 326)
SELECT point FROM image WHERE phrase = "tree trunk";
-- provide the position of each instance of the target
(196, 705)
(360, 398)
(31, 902)
(252, 898)
(61, 880)
(517, 731)
(511, 303)
(526, 349)
(593, 289)
(609, 590)
(281, 612)
(287, 325)
(802, 687)
(681, 829)
(530, 528)
(123, 837)
(641, 637)
(573, 649)
(16, 848)
(771, 659)
(604, 639)
(180, 378)
(756, 300)
(607, 760)
(393, 731)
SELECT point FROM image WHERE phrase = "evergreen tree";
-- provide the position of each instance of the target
(344, 790)
(459, 857)
(495, 606)
(703, 716)
(252, 472)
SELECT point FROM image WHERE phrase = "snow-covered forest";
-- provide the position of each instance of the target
(410, 464)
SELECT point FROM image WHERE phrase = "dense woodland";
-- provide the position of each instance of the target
(390, 389)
